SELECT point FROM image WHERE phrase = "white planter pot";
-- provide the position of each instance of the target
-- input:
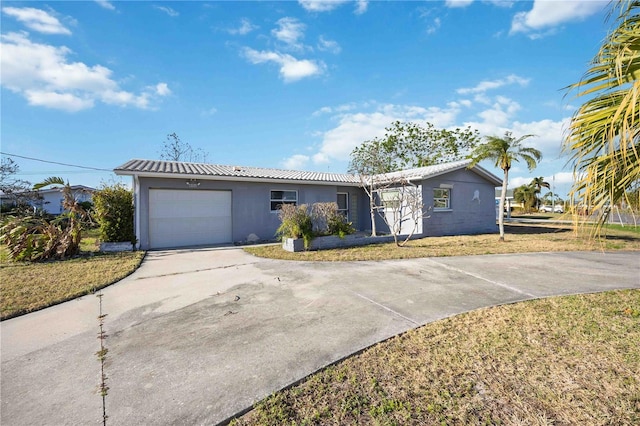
(113, 247)
(293, 244)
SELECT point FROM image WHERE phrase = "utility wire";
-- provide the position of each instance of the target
(55, 162)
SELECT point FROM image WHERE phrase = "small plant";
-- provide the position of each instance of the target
(339, 226)
(295, 223)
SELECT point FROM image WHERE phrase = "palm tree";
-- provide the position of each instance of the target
(70, 221)
(539, 183)
(604, 134)
(526, 194)
(504, 151)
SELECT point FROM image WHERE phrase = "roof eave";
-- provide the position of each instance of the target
(232, 178)
(487, 175)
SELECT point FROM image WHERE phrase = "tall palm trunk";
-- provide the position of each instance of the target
(503, 197)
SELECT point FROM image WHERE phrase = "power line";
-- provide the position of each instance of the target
(54, 172)
(55, 162)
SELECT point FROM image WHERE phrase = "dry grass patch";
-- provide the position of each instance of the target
(26, 287)
(519, 239)
(568, 360)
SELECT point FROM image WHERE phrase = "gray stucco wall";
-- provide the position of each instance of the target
(466, 216)
(250, 207)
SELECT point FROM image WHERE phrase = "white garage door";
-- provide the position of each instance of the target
(179, 218)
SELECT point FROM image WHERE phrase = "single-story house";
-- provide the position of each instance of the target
(49, 199)
(188, 204)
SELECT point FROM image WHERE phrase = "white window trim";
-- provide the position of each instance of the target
(448, 199)
(271, 200)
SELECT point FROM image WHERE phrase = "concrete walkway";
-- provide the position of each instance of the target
(196, 336)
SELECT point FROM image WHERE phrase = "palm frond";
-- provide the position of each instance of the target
(604, 134)
(49, 181)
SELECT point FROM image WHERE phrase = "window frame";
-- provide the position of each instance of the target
(445, 197)
(283, 200)
(344, 211)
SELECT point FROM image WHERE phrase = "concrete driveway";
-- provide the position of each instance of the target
(196, 336)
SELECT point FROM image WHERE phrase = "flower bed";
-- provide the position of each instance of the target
(333, 241)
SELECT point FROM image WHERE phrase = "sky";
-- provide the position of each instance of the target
(286, 84)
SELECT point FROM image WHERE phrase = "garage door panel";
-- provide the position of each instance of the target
(180, 218)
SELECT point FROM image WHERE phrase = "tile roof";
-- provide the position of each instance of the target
(427, 172)
(202, 170)
(156, 167)
(424, 172)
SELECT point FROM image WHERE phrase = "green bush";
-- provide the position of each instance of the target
(339, 226)
(113, 210)
(295, 223)
(321, 219)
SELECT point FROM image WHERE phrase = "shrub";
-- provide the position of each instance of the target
(295, 223)
(113, 210)
(32, 238)
(327, 220)
(339, 226)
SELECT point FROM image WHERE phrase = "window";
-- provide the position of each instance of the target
(279, 198)
(343, 203)
(441, 198)
(391, 198)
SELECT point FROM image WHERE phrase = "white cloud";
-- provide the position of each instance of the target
(337, 109)
(458, 3)
(486, 85)
(291, 69)
(209, 112)
(329, 5)
(245, 28)
(37, 20)
(501, 3)
(326, 45)
(322, 5)
(296, 162)
(289, 31)
(434, 26)
(64, 101)
(162, 89)
(361, 6)
(500, 113)
(354, 128)
(166, 9)
(560, 181)
(106, 4)
(561, 178)
(547, 14)
(549, 135)
(44, 76)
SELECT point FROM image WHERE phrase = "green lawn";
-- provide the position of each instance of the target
(567, 360)
(27, 286)
(519, 238)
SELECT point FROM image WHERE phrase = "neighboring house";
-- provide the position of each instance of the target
(509, 204)
(188, 204)
(51, 199)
